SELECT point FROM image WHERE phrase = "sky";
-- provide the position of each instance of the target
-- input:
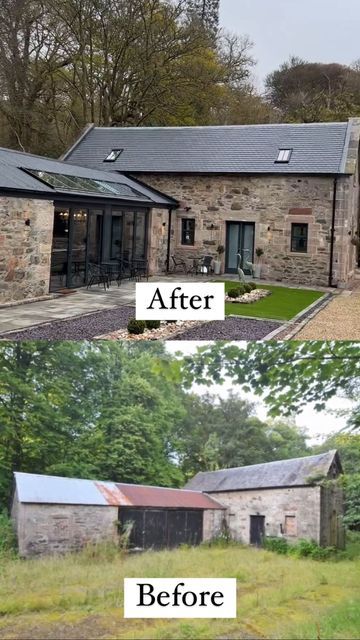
(316, 30)
(318, 425)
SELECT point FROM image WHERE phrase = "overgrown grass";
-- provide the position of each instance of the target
(81, 596)
(283, 303)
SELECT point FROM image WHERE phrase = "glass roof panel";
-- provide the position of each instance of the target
(86, 185)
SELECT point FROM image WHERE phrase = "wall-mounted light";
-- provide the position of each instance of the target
(269, 228)
(28, 222)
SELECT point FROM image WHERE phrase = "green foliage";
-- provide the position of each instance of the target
(234, 293)
(136, 327)
(277, 545)
(288, 375)
(352, 501)
(248, 287)
(153, 324)
(7, 536)
(252, 286)
(300, 549)
(218, 433)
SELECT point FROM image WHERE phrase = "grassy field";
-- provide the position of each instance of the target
(278, 597)
(283, 304)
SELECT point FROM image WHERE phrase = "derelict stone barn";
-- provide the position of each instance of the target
(291, 190)
(59, 515)
(286, 499)
(294, 499)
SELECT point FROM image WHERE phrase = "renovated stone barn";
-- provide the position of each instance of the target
(59, 515)
(58, 222)
(293, 499)
(287, 191)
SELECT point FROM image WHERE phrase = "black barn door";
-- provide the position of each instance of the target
(257, 530)
(162, 528)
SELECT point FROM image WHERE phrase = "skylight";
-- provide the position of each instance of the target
(113, 155)
(284, 155)
(62, 182)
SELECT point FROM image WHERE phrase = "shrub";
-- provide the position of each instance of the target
(234, 293)
(247, 287)
(278, 545)
(301, 549)
(171, 321)
(152, 324)
(252, 286)
(136, 327)
(7, 536)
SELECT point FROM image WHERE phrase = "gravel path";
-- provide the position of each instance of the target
(230, 329)
(79, 328)
(340, 320)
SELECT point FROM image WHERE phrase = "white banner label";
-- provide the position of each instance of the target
(180, 301)
(180, 598)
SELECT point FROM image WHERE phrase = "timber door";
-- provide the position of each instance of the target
(240, 238)
(162, 528)
(257, 530)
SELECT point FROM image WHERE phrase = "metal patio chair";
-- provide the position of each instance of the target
(179, 263)
(97, 275)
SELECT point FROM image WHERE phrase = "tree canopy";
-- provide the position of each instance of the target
(112, 411)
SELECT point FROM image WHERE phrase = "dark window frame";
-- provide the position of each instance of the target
(188, 222)
(297, 238)
(117, 153)
(287, 159)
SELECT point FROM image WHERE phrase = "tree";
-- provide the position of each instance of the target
(287, 375)
(207, 12)
(314, 92)
(219, 433)
(87, 410)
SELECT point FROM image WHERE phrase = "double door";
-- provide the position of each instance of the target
(240, 238)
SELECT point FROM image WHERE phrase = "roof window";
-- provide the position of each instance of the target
(284, 155)
(113, 155)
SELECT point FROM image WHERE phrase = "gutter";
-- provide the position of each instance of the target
(169, 241)
(332, 240)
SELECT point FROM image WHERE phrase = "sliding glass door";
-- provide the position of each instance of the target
(128, 235)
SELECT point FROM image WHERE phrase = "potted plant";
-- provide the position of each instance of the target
(217, 263)
(258, 266)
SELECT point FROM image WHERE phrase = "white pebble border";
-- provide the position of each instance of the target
(165, 331)
(248, 298)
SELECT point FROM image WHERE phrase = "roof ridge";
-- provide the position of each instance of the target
(222, 126)
(261, 464)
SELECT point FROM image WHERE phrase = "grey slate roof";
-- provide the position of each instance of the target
(12, 177)
(317, 148)
(282, 473)
(41, 489)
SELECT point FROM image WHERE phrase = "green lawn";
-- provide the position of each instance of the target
(81, 596)
(282, 304)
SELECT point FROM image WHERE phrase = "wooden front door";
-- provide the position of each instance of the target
(257, 530)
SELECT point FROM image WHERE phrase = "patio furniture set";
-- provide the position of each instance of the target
(116, 271)
(202, 265)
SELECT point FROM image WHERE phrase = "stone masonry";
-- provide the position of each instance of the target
(273, 203)
(26, 228)
(44, 529)
(274, 504)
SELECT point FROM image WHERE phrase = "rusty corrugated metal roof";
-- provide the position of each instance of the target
(41, 489)
(145, 496)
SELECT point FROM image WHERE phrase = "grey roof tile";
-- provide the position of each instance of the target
(12, 177)
(282, 473)
(317, 148)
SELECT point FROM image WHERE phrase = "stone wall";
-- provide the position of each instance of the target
(25, 249)
(158, 240)
(44, 529)
(213, 523)
(273, 203)
(274, 504)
